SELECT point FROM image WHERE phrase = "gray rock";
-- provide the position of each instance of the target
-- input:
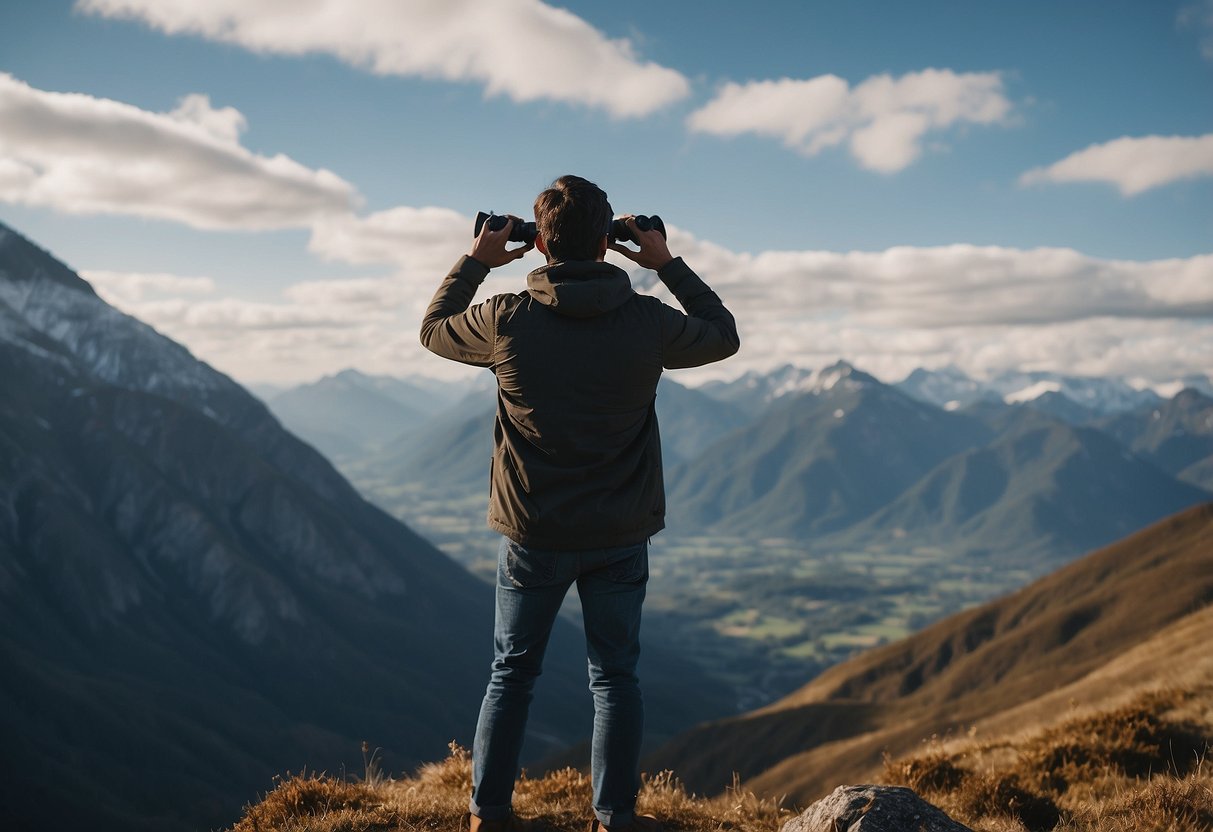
(873, 809)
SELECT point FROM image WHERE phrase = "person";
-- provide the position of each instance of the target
(576, 486)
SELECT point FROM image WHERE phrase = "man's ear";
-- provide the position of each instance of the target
(602, 248)
(541, 245)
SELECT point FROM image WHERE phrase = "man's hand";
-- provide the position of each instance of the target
(489, 246)
(654, 252)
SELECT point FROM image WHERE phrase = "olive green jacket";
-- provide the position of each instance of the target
(577, 455)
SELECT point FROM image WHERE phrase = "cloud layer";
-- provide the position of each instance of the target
(882, 120)
(419, 240)
(523, 49)
(1132, 164)
(1199, 16)
(80, 154)
(984, 308)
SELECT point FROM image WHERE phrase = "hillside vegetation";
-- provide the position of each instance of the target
(1119, 619)
(1083, 702)
(1137, 767)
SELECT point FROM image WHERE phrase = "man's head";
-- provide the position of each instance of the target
(573, 218)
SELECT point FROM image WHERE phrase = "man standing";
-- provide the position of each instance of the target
(576, 485)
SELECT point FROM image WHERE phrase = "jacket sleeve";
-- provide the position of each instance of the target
(706, 333)
(453, 330)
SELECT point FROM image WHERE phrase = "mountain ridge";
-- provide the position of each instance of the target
(175, 565)
(962, 669)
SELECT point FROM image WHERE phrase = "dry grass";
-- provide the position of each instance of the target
(1135, 768)
(436, 796)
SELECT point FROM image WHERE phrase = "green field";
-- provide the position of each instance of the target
(763, 615)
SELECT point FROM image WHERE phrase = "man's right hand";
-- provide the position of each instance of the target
(654, 251)
(489, 246)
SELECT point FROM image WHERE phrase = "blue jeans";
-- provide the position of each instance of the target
(531, 585)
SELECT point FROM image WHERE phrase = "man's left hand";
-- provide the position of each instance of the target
(489, 246)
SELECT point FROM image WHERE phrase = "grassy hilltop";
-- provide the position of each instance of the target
(1082, 702)
(1137, 767)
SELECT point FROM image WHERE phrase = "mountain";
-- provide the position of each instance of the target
(1041, 490)
(948, 387)
(818, 461)
(347, 414)
(753, 391)
(452, 454)
(1176, 435)
(350, 414)
(951, 388)
(192, 600)
(1083, 634)
(1060, 406)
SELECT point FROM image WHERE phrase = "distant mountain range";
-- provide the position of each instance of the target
(951, 388)
(1133, 615)
(192, 600)
(349, 414)
(817, 460)
(1176, 435)
(1039, 490)
(1034, 466)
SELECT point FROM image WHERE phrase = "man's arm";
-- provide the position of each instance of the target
(450, 328)
(707, 332)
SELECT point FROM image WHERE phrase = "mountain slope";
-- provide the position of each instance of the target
(818, 461)
(950, 386)
(1042, 489)
(972, 666)
(453, 453)
(192, 600)
(1176, 435)
(348, 413)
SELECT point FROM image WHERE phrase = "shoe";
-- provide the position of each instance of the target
(513, 823)
(639, 823)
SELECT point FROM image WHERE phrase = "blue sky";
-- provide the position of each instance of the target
(898, 184)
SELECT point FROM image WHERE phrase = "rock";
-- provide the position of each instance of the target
(873, 809)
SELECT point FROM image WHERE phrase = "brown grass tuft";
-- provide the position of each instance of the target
(1161, 805)
(303, 798)
(932, 772)
(435, 800)
(1135, 768)
(1133, 741)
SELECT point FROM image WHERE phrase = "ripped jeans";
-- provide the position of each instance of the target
(531, 585)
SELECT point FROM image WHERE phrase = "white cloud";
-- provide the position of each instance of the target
(134, 287)
(81, 154)
(882, 120)
(1199, 16)
(524, 49)
(1132, 164)
(984, 308)
(419, 240)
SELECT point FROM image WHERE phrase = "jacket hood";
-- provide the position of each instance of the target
(580, 288)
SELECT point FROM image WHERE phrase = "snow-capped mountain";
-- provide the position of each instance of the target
(754, 390)
(951, 388)
(192, 600)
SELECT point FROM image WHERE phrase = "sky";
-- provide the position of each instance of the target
(281, 185)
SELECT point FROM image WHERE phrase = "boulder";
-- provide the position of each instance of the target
(873, 809)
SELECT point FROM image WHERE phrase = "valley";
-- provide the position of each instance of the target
(817, 514)
(759, 615)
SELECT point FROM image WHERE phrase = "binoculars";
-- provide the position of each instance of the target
(525, 232)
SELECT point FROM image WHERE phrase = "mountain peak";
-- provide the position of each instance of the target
(350, 374)
(842, 371)
(23, 262)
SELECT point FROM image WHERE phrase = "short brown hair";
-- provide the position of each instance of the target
(573, 216)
